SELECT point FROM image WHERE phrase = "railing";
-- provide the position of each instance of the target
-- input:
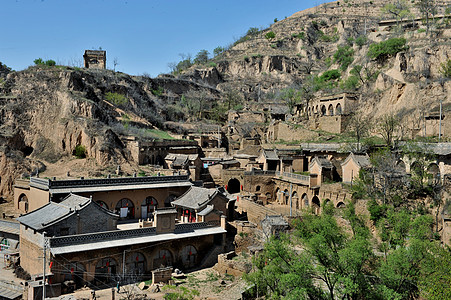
(260, 172)
(187, 227)
(105, 181)
(303, 178)
(124, 234)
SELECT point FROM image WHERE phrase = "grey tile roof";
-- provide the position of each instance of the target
(271, 154)
(9, 227)
(323, 162)
(195, 197)
(362, 160)
(9, 290)
(206, 210)
(53, 212)
(136, 240)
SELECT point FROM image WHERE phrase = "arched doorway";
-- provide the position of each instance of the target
(102, 204)
(125, 208)
(147, 207)
(23, 202)
(433, 173)
(74, 271)
(417, 169)
(326, 201)
(331, 110)
(159, 161)
(323, 110)
(295, 199)
(188, 256)
(341, 205)
(163, 258)
(305, 200)
(268, 197)
(316, 205)
(401, 166)
(233, 186)
(106, 269)
(286, 197)
(169, 199)
(135, 263)
(277, 194)
(338, 109)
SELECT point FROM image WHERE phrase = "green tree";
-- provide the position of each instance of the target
(399, 9)
(218, 51)
(270, 35)
(344, 56)
(291, 96)
(381, 51)
(387, 127)
(201, 57)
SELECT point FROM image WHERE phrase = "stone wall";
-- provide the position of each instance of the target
(255, 213)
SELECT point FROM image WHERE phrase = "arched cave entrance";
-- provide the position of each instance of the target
(233, 186)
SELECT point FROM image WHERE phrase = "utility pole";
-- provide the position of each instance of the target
(440, 123)
(43, 270)
(291, 199)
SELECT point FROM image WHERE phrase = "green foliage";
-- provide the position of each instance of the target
(270, 35)
(251, 32)
(446, 69)
(361, 40)
(344, 56)
(275, 20)
(116, 99)
(179, 293)
(351, 83)
(330, 75)
(381, 51)
(212, 65)
(201, 57)
(421, 30)
(79, 151)
(218, 50)
(377, 211)
(41, 62)
(158, 92)
(300, 35)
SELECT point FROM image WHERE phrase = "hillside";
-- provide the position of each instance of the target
(46, 112)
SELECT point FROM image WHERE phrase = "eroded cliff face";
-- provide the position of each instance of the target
(46, 112)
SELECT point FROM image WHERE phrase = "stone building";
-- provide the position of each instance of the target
(130, 197)
(189, 162)
(201, 205)
(85, 247)
(322, 168)
(352, 165)
(95, 59)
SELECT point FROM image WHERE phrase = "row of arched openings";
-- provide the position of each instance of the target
(126, 209)
(323, 111)
(107, 269)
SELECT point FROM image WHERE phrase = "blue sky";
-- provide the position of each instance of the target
(144, 35)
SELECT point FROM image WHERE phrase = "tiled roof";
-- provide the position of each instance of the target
(195, 197)
(53, 212)
(323, 162)
(271, 154)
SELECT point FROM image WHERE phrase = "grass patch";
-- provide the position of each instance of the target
(159, 134)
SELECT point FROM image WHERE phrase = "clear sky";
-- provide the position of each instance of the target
(144, 35)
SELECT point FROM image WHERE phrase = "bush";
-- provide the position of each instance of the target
(381, 51)
(446, 69)
(300, 35)
(270, 35)
(80, 151)
(158, 92)
(116, 99)
(361, 40)
(377, 211)
(351, 83)
(344, 56)
(41, 62)
(330, 75)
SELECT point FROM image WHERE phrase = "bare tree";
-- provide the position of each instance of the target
(359, 126)
(388, 126)
(115, 64)
(428, 9)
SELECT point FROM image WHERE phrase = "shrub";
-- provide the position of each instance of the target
(158, 92)
(344, 56)
(377, 211)
(361, 40)
(41, 62)
(383, 50)
(420, 30)
(270, 35)
(212, 64)
(50, 63)
(330, 75)
(80, 151)
(446, 68)
(351, 83)
(116, 99)
(300, 35)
